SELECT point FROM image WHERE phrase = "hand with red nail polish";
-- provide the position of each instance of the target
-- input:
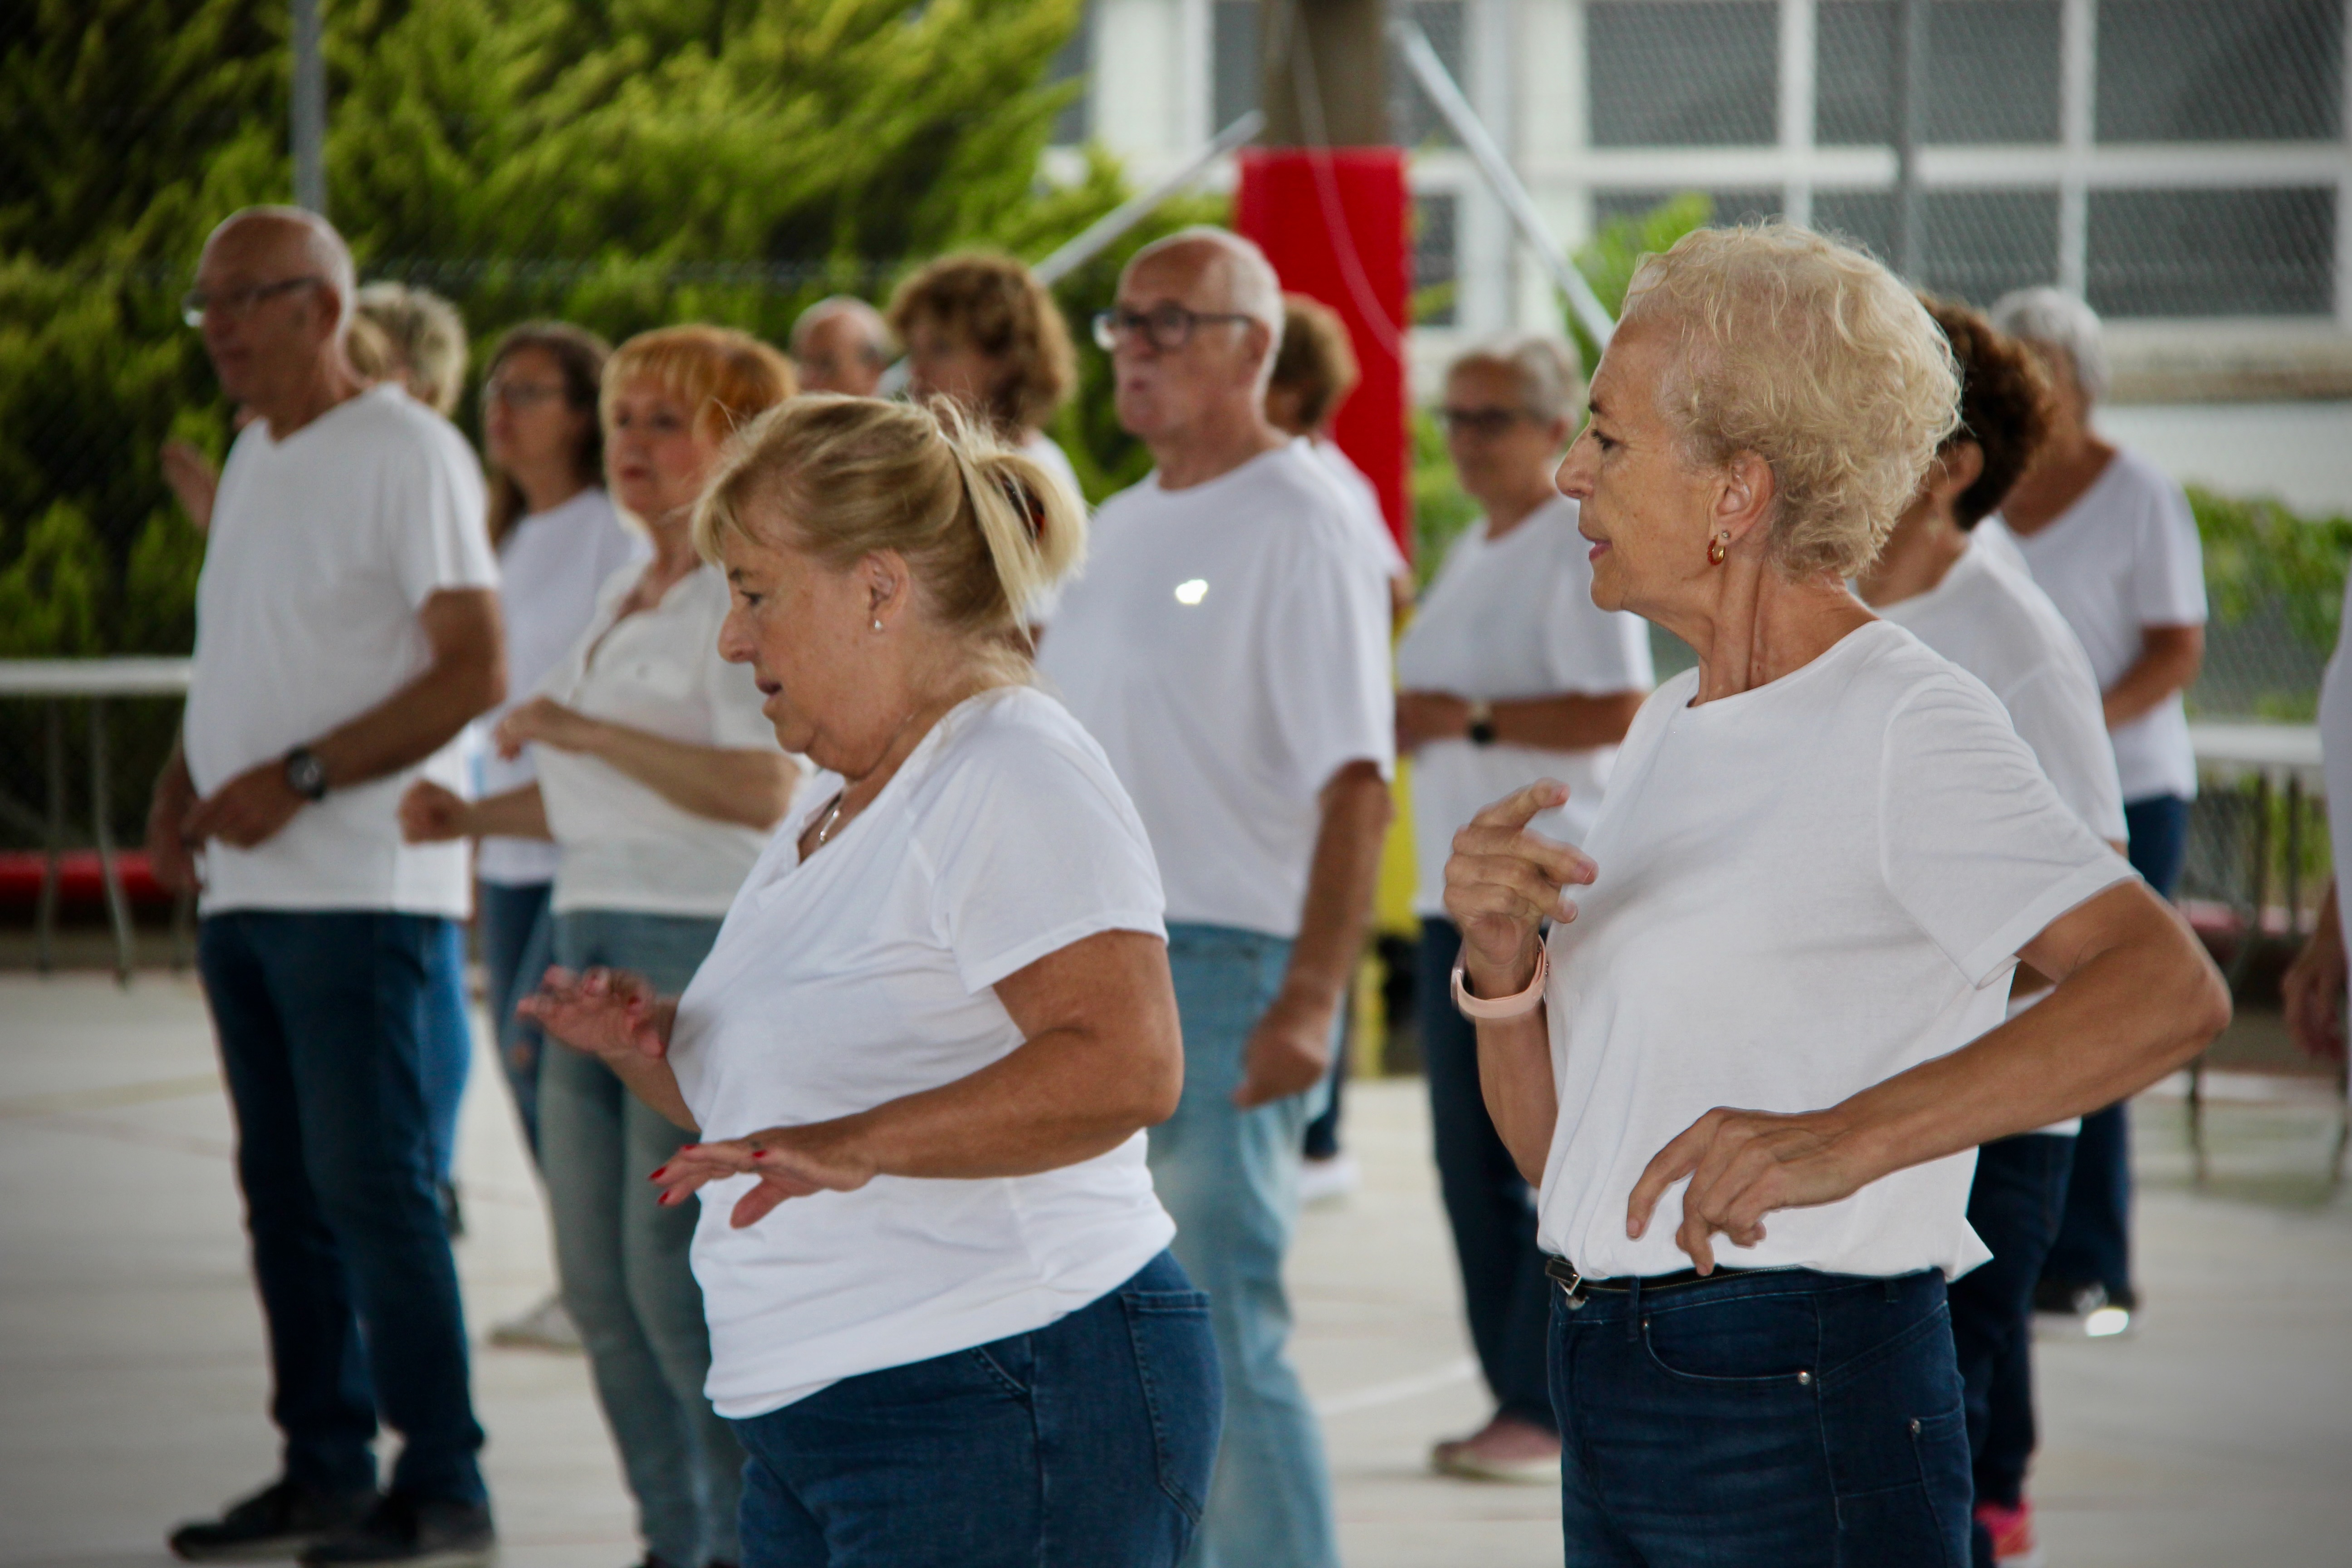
(789, 1162)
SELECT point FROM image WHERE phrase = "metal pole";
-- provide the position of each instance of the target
(1910, 114)
(1501, 178)
(1105, 231)
(309, 108)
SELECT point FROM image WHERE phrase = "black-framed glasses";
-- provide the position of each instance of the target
(1484, 423)
(1165, 327)
(238, 302)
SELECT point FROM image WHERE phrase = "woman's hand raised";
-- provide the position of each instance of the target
(608, 1012)
(790, 1163)
(545, 722)
(1502, 882)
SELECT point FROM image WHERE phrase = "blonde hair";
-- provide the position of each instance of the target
(726, 377)
(985, 530)
(1816, 359)
(427, 338)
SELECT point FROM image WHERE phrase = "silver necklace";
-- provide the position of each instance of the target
(831, 815)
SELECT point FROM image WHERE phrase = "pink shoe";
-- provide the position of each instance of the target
(2011, 1528)
(1504, 1450)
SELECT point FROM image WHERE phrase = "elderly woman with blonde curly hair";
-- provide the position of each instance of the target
(1750, 1061)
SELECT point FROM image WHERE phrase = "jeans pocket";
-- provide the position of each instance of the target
(1176, 1363)
(1745, 1341)
(1010, 1363)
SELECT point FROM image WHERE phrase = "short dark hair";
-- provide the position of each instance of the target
(579, 355)
(2004, 404)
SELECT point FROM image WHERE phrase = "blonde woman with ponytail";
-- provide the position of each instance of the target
(923, 1051)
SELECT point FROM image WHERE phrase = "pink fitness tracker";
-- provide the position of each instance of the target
(1517, 1006)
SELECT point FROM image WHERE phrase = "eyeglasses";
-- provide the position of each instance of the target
(1486, 422)
(519, 395)
(1165, 327)
(235, 302)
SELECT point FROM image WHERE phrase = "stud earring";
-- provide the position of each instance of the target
(878, 622)
(1718, 549)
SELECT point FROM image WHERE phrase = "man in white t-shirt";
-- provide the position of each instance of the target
(2113, 542)
(1228, 647)
(347, 629)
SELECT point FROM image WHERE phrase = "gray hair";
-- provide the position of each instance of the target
(1255, 290)
(1544, 368)
(327, 252)
(2055, 319)
(877, 332)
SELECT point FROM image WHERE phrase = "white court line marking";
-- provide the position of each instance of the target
(1404, 1388)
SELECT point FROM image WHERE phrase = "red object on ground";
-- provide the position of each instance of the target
(78, 879)
(1336, 223)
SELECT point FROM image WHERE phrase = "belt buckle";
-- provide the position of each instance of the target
(1572, 1288)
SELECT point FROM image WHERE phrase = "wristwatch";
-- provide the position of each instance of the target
(1482, 723)
(306, 775)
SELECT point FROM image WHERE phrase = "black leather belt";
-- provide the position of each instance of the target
(1578, 1286)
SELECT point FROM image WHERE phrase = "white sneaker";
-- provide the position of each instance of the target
(1327, 1181)
(546, 1327)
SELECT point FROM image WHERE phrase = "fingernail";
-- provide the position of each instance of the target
(658, 1175)
(759, 1153)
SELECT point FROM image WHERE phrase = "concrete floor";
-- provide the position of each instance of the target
(132, 1384)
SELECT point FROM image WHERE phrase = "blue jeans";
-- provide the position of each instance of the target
(1230, 1178)
(1780, 1417)
(1087, 1444)
(1490, 1206)
(449, 1044)
(623, 1258)
(517, 945)
(2013, 1206)
(323, 1021)
(2094, 1245)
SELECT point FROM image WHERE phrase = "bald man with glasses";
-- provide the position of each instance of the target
(1228, 647)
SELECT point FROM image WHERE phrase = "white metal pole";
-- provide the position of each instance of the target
(1103, 232)
(1447, 99)
(309, 99)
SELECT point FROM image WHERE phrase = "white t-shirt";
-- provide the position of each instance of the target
(2124, 557)
(1228, 645)
(552, 566)
(1365, 500)
(1509, 618)
(867, 974)
(1988, 618)
(2336, 752)
(625, 847)
(324, 548)
(1805, 890)
(1048, 454)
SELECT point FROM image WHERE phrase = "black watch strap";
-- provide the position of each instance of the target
(306, 775)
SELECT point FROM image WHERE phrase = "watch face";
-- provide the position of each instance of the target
(306, 775)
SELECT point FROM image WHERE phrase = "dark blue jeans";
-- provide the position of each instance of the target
(2019, 1193)
(448, 1043)
(2094, 1244)
(322, 1019)
(517, 945)
(1489, 1205)
(1780, 1417)
(1085, 1443)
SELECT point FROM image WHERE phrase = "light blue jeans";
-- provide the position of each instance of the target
(623, 1258)
(1230, 1177)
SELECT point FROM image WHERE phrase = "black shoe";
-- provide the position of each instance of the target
(277, 1521)
(2069, 1298)
(417, 1533)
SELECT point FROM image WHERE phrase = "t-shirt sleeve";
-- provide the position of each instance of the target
(434, 518)
(1973, 841)
(2060, 721)
(1033, 846)
(2167, 583)
(1326, 662)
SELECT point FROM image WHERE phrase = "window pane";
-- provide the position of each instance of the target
(1233, 50)
(2221, 70)
(1730, 206)
(1074, 125)
(1436, 262)
(1993, 72)
(1413, 123)
(1682, 73)
(1864, 217)
(2212, 253)
(1981, 243)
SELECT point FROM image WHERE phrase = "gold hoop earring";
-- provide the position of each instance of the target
(1718, 549)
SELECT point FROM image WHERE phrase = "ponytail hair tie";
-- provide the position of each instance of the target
(1026, 503)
